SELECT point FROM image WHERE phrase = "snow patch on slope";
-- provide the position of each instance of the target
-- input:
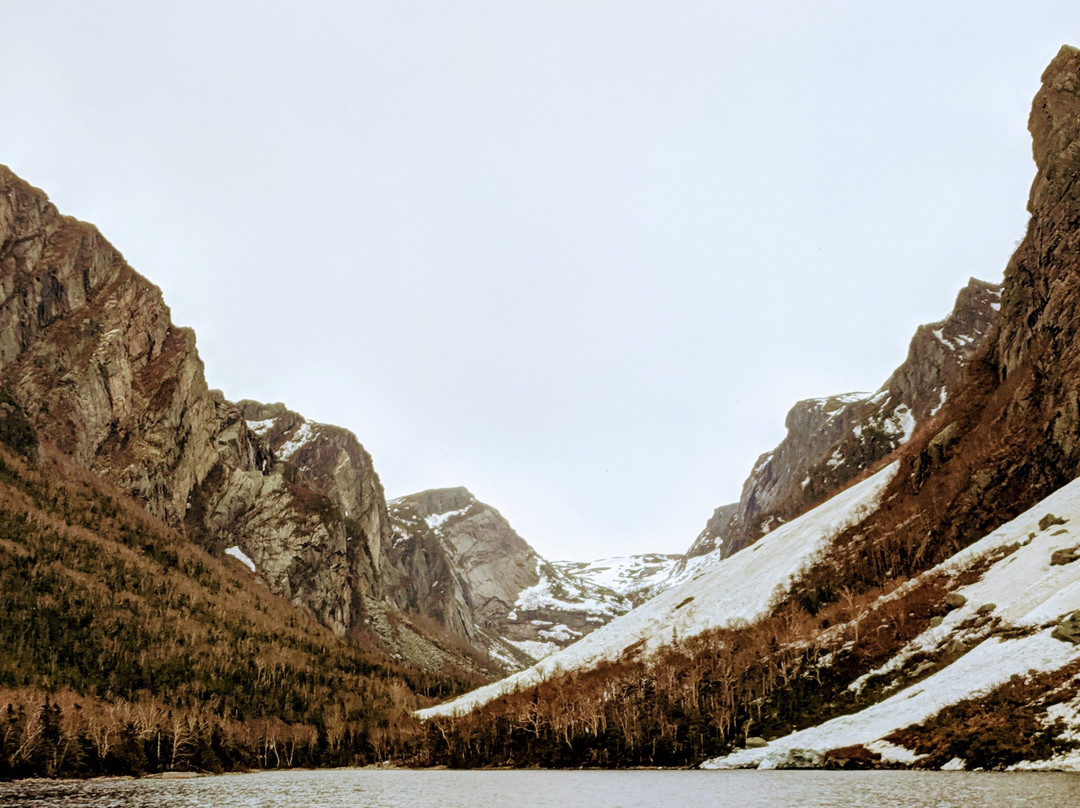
(991, 663)
(298, 439)
(626, 575)
(260, 428)
(740, 588)
(437, 520)
(1025, 591)
(557, 591)
(240, 556)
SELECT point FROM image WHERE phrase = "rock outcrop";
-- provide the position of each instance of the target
(310, 513)
(1009, 436)
(832, 440)
(462, 563)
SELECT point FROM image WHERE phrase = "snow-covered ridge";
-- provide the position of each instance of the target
(1024, 590)
(740, 588)
(628, 576)
(561, 591)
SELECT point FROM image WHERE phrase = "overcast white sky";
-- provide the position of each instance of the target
(580, 257)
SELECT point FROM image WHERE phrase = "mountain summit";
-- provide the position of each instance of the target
(467, 566)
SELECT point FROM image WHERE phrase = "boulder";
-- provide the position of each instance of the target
(1068, 630)
(1049, 520)
(1064, 556)
(954, 600)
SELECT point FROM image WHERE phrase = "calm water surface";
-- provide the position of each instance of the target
(522, 789)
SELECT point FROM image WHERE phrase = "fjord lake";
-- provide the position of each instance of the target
(361, 788)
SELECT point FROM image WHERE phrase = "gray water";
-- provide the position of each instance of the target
(354, 788)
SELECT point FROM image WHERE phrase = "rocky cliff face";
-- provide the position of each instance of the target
(310, 513)
(88, 348)
(832, 440)
(1010, 436)
(89, 351)
(462, 562)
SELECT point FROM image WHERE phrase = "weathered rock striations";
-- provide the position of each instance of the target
(310, 513)
(88, 348)
(832, 440)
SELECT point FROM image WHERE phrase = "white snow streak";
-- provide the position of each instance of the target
(240, 556)
(299, 438)
(437, 520)
(260, 427)
(739, 588)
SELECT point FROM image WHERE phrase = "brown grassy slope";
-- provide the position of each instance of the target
(108, 605)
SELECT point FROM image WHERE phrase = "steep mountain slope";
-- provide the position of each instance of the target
(832, 440)
(88, 350)
(126, 648)
(463, 563)
(937, 628)
(1016, 618)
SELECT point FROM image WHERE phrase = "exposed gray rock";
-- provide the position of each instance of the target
(462, 563)
(832, 440)
(956, 648)
(1068, 630)
(924, 667)
(1064, 556)
(796, 759)
(1049, 520)
(954, 600)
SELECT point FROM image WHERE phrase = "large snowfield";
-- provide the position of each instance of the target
(739, 588)
(1025, 590)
